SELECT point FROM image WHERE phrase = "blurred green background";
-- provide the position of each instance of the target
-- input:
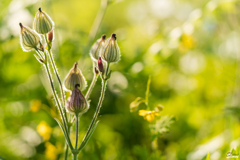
(190, 49)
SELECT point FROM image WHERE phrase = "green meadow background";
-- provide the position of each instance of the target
(189, 48)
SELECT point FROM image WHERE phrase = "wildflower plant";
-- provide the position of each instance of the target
(158, 124)
(103, 53)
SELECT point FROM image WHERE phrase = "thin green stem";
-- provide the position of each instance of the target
(91, 86)
(104, 84)
(75, 156)
(61, 89)
(55, 95)
(76, 144)
(108, 65)
(66, 145)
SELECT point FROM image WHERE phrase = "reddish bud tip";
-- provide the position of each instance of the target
(50, 36)
(41, 60)
(114, 36)
(40, 10)
(100, 65)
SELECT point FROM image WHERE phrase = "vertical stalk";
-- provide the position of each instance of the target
(91, 86)
(104, 85)
(55, 95)
(76, 144)
(62, 92)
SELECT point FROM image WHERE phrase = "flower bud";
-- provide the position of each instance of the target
(42, 23)
(100, 65)
(111, 52)
(29, 39)
(50, 36)
(74, 77)
(97, 46)
(77, 103)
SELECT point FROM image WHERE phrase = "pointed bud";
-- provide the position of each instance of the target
(29, 39)
(50, 36)
(100, 65)
(42, 23)
(97, 46)
(111, 52)
(74, 77)
(77, 103)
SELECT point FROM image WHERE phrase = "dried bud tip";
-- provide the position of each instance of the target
(40, 10)
(41, 60)
(75, 65)
(95, 70)
(20, 24)
(104, 37)
(100, 65)
(77, 85)
(114, 36)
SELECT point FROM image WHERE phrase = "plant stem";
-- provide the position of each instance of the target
(91, 86)
(75, 156)
(66, 145)
(55, 95)
(76, 144)
(61, 89)
(104, 84)
(108, 65)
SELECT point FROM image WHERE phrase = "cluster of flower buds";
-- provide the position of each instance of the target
(31, 40)
(106, 50)
(75, 82)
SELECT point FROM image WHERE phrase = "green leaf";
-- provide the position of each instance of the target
(163, 124)
(134, 105)
(86, 139)
(65, 134)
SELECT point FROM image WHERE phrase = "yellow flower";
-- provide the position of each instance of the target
(44, 130)
(148, 115)
(35, 105)
(51, 151)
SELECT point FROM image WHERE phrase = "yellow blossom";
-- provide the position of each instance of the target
(44, 130)
(35, 105)
(148, 115)
(51, 151)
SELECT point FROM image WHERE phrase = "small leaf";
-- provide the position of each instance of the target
(65, 134)
(134, 105)
(163, 125)
(86, 139)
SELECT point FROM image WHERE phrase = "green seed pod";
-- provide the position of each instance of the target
(74, 77)
(42, 23)
(96, 47)
(29, 39)
(111, 52)
(77, 103)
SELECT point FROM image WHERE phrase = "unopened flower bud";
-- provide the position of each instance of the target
(50, 36)
(111, 52)
(77, 103)
(42, 23)
(97, 46)
(29, 39)
(100, 65)
(74, 77)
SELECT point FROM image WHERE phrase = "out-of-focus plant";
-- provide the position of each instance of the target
(158, 124)
(40, 40)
